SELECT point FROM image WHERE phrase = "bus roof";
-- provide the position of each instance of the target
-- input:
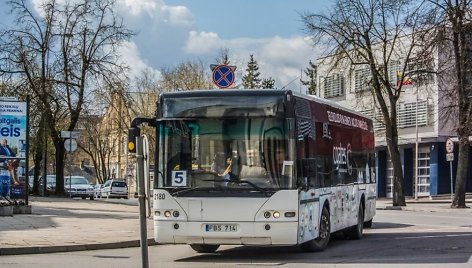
(256, 92)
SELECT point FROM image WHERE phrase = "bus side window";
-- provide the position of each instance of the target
(308, 168)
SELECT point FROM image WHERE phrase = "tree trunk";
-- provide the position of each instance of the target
(60, 152)
(461, 176)
(37, 158)
(398, 180)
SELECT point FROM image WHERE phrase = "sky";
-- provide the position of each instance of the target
(170, 32)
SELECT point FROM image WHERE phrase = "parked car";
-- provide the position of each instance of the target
(97, 190)
(78, 186)
(115, 188)
(50, 186)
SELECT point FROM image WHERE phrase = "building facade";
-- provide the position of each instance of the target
(423, 124)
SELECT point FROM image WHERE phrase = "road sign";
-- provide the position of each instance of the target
(70, 145)
(449, 157)
(449, 146)
(70, 134)
(223, 76)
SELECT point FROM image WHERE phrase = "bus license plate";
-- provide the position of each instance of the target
(221, 228)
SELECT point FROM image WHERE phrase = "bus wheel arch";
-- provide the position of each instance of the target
(321, 242)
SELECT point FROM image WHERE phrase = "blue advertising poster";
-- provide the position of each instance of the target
(13, 120)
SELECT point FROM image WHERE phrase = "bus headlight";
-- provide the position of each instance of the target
(267, 214)
(276, 214)
(167, 213)
(175, 214)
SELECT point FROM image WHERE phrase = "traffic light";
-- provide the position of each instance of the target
(133, 132)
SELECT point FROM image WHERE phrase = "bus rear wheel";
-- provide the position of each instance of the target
(200, 248)
(357, 230)
(320, 243)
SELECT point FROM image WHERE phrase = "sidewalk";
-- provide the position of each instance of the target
(62, 224)
(426, 204)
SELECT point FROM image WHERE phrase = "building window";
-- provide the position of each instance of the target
(362, 79)
(334, 86)
(421, 70)
(376, 117)
(406, 114)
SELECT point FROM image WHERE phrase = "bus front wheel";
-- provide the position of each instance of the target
(200, 248)
(320, 243)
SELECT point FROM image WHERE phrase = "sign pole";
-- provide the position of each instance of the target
(70, 169)
(450, 158)
(452, 189)
(70, 145)
(142, 200)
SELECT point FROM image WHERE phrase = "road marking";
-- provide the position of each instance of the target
(433, 236)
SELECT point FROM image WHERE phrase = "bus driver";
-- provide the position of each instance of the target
(222, 166)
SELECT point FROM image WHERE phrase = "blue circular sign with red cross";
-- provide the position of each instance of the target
(223, 76)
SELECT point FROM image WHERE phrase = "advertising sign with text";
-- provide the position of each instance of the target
(13, 146)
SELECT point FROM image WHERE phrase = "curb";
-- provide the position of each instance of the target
(69, 248)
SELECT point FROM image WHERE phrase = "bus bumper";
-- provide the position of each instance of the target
(247, 233)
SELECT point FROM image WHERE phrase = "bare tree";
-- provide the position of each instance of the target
(188, 75)
(382, 35)
(142, 101)
(454, 26)
(95, 143)
(60, 52)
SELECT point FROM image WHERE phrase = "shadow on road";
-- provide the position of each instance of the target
(388, 225)
(378, 248)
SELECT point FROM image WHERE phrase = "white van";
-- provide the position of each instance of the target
(115, 188)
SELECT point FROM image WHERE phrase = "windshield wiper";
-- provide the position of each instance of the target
(250, 183)
(188, 190)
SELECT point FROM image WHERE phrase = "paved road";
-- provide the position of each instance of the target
(398, 238)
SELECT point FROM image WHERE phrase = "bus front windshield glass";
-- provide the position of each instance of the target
(225, 155)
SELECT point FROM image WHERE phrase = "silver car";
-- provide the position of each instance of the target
(115, 188)
(78, 186)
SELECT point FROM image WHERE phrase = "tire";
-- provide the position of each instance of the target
(368, 224)
(321, 242)
(83, 197)
(92, 198)
(200, 248)
(357, 230)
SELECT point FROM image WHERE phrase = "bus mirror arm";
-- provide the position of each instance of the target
(137, 121)
(303, 183)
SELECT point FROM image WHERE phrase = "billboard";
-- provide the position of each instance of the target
(13, 147)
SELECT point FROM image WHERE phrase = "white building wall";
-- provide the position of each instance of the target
(431, 127)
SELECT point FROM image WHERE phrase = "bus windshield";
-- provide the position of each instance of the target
(241, 155)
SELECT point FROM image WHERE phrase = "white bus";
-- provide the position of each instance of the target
(260, 167)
